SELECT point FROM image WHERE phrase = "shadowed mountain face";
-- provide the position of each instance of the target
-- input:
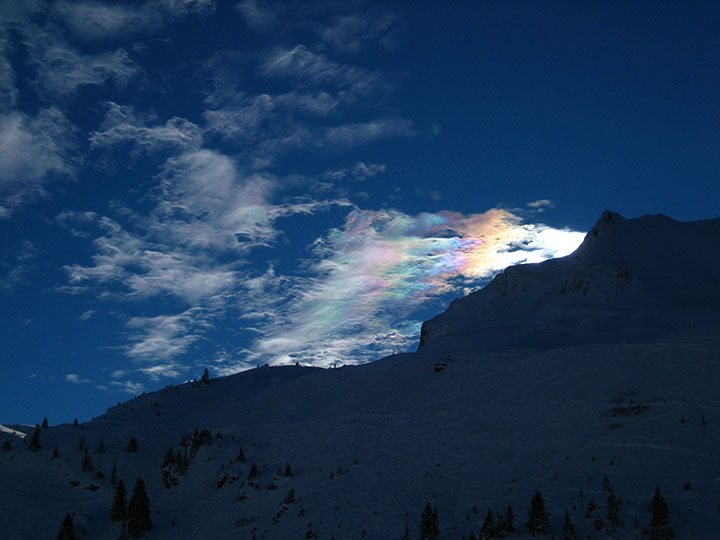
(583, 377)
(631, 279)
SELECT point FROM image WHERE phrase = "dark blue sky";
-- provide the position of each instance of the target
(190, 183)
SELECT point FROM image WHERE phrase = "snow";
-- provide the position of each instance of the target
(582, 386)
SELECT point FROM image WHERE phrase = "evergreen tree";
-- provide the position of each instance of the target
(613, 510)
(101, 447)
(45, 423)
(406, 536)
(75, 423)
(510, 519)
(87, 462)
(132, 446)
(489, 528)
(169, 458)
(138, 514)
(288, 470)
(113, 475)
(55, 453)
(119, 508)
(429, 528)
(67, 529)
(290, 498)
(253, 471)
(660, 517)
(569, 532)
(205, 377)
(538, 516)
(35, 439)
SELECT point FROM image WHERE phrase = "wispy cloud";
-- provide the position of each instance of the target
(364, 132)
(372, 274)
(256, 13)
(100, 21)
(34, 150)
(123, 126)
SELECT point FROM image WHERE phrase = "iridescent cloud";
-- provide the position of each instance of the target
(377, 271)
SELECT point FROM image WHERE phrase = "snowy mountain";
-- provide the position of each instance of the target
(583, 377)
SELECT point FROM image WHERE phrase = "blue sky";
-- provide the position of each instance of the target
(192, 183)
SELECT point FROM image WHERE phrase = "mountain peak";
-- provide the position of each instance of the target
(629, 279)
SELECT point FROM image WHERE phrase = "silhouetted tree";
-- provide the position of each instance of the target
(253, 471)
(290, 498)
(101, 447)
(138, 514)
(489, 528)
(55, 453)
(429, 527)
(35, 439)
(113, 475)
(205, 377)
(75, 423)
(569, 532)
(119, 507)
(510, 519)
(613, 509)
(86, 462)
(67, 529)
(660, 517)
(288, 470)
(406, 536)
(538, 516)
(45, 423)
(132, 446)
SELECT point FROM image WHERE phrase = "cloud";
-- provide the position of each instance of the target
(77, 379)
(98, 21)
(350, 34)
(381, 267)
(540, 204)
(34, 150)
(129, 387)
(62, 70)
(256, 14)
(166, 336)
(19, 262)
(360, 171)
(364, 132)
(123, 125)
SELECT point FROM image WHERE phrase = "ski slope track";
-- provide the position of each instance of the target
(604, 362)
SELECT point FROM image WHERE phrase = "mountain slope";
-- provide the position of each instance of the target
(367, 444)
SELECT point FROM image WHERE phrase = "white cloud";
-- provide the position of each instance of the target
(33, 151)
(256, 13)
(540, 204)
(350, 34)
(364, 132)
(129, 387)
(76, 379)
(123, 125)
(99, 21)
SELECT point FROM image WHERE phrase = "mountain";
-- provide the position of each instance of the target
(577, 377)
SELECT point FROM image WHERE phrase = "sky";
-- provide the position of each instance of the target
(196, 183)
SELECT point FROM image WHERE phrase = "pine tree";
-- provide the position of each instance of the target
(290, 498)
(138, 514)
(489, 528)
(660, 517)
(406, 536)
(113, 475)
(35, 439)
(569, 532)
(169, 458)
(253, 471)
(45, 423)
(87, 462)
(101, 447)
(288, 470)
(75, 423)
(510, 519)
(538, 516)
(55, 453)
(205, 377)
(67, 529)
(119, 508)
(613, 510)
(429, 528)
(132, 446)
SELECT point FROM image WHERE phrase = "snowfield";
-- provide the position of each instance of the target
(556, 375)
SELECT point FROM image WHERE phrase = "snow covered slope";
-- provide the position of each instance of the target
(370, 444)
(630, 279)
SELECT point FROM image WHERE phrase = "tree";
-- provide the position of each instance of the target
(132, 446)
(67, 529)
(429, 528)
(406, 536)
(569, 532)
(119, 508)
(510, 519)
(660, 517)
(489, 528)
(45, 423)
(205, 377)
(35, 439)
(87, 462)
(253, 471)
(75, 423)
(138, 514)
(538, 516)
(288, 470)
(113, 475)
(101, 447)
(613, 509)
